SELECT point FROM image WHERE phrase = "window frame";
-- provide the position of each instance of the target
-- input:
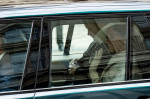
(92, 16)
(128, 16)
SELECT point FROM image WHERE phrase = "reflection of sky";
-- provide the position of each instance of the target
(80, 40)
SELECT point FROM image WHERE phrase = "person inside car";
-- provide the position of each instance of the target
(115, 70)
(115, 44)
(97, 47)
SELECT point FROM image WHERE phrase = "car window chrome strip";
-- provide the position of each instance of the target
(34, 12)
(27, 55)
(18, 96)
(92, 89)
(39, 52)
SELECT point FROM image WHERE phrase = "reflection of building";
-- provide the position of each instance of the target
(15, 41)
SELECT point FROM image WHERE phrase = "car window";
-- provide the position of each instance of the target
(88, 51)
(14, 39)
(140, 47)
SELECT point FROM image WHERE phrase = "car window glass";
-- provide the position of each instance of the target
(140, 47)
(93, 50)
(14, 39)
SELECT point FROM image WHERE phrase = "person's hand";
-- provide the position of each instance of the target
(94, 62)
(73, 65)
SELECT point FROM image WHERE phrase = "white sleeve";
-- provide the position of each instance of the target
(94, 62)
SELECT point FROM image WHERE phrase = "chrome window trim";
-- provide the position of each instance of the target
(74, 87)
(17, 92)
(77, 8)
(103, 89)
(94, 85)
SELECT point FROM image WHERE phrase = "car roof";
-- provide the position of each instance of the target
(72, 8)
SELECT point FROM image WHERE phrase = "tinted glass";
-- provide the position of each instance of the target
(44, 62)
(88, 51)
(14, 39)
(32, 58)
(140, 47)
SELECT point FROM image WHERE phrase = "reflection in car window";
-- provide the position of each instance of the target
(13, 47)
(93, 51)
(32, 58)
(140, 47)
(44, 61)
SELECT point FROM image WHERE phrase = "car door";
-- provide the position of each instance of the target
(116, 74)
